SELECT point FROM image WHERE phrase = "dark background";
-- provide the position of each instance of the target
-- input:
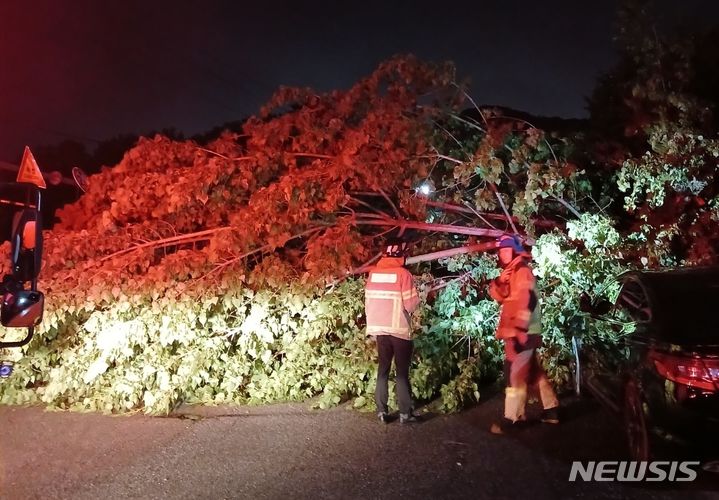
(89, 70)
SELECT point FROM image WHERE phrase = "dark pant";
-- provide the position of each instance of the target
(387, 348)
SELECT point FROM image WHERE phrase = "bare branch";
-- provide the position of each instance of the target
(567, 206)
(357, 270)
(373, 216)
(473, 104)
(425, 226)
(449, 158)
(365, 267)
(313, 155)
(379, 235)
(371, 207)
(241, 158)
(238, 158)
(465, 210)
(462, 277)
(394, 208)
(479, 215)
(183, 238)
(451, 252)
(461, 147)
(504, 208)
(364, 193)
(262, 249)
(467, 122)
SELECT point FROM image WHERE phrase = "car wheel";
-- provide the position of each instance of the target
(635, 423)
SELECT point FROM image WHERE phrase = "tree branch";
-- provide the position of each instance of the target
(473, 104)
(479, 216)
(261, 249)
(451, 252)
(449, 158)
(425, 226)
(461, 277)
(357, 270)
(466, 210)
(394, 208)
(238, 158)
(366, 266)
(312, 155)
(504, 208)
(567, 206)
(467, 122)
(371, 207)
(175, 240)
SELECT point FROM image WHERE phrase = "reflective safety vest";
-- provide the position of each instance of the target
(390, 298)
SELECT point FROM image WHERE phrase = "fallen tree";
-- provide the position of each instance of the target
(232, 271)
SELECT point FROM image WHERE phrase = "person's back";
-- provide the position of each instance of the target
(390, 298)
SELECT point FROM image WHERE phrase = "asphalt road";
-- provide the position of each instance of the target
(291, 451)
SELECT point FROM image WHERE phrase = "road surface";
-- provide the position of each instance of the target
(291, 451)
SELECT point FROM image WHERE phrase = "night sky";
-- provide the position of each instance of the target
(88, 70)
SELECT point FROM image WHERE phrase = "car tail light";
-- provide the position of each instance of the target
(694, 372)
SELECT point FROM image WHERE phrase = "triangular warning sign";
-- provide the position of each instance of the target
(29, 171)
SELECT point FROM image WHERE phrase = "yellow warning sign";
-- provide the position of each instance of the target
(29, 171)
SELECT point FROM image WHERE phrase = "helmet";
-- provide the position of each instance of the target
(396, 248)
(510, 241)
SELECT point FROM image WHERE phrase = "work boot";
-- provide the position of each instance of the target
(383, 417)
(551, 416)
(506, 426)
(409, 418)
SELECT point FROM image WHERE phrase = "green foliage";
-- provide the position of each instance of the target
(242, 346)
(584, 260)
(456, 335)
(239, 346)
(507, 157)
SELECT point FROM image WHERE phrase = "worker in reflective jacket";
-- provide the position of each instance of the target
(390, 298)
(520, 329)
